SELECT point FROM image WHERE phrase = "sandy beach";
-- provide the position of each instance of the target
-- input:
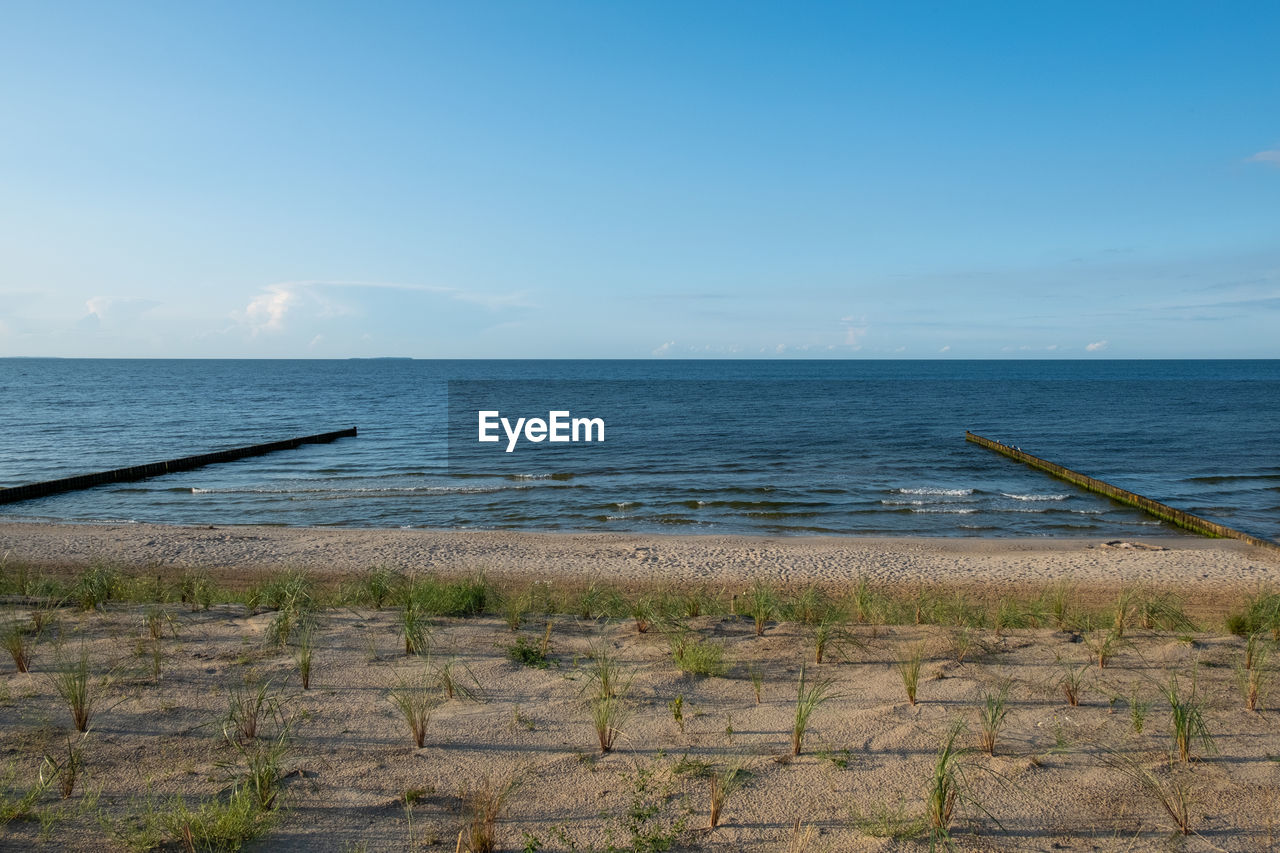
(1212, 569)
(1082, 757)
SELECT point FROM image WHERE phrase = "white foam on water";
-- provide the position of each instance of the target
(1036, 497)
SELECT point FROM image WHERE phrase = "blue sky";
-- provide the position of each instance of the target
(551, 179)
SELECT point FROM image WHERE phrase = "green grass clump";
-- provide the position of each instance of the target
(828, 634)
(598, 601)
(609, 713)
(1012, 614)
(695, 656)
(376, 587)
(890, 822)
(96, 586)
(724, 783)
(909, 666)
(13, 636)
(992, 715)
(1163, 611)
(1138, 708)
(455, 679)
(807, 700)
(515, 608)
(293, 596)
(439, 597)
(292, 589)
(1253, 675)
(413, 628)
(1186, 719)
(945, 787)
(249, 708)
(415, 701)
(215, 824)
(72, 684)
(260, 772)
(762, 605)
(811, 606)
(525, 652)
(65, 767)
(605, 675)
(1261, 612)
(304, 654)
(1071, 682)
(195, 589)
(1104, 644)
(484, 804)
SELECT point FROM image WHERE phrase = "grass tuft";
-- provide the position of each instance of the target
(1071, 682)
(724, 783)
(1186, 719)
(943, 788)
(992, 714)
(71, 682)
(909, 665)
(807, 701)
(249, 706)
(1254, 677)
(484, 804)
(695, 656)
(14, 638)
(304, 653)
(762, 605)
(415, 701)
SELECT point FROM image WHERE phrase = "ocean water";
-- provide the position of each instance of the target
(761, 447)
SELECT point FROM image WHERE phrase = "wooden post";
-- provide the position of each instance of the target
(155, 469)
(1164, 512)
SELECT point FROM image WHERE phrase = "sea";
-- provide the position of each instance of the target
(776, 447)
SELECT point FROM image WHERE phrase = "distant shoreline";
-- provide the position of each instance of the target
(1210, 567)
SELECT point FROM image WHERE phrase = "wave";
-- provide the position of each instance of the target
(555, 476)
(756, 505)
(1231, 478)
(949, 492)
(945, 509)
(1036, 497)
(384, 490)
(778, 514)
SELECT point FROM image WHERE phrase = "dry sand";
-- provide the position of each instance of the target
(1194, 565)
(1049, 786)
(868, 752)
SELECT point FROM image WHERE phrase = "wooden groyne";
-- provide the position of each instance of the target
(155, 469)
(1164, 512)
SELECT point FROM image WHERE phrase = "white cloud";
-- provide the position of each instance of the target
(855, 329)
(946, 348)
(106, 308)
(267, 310)
(1096, 346)
(1271, 156)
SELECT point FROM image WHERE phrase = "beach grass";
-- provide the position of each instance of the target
(712, 720)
